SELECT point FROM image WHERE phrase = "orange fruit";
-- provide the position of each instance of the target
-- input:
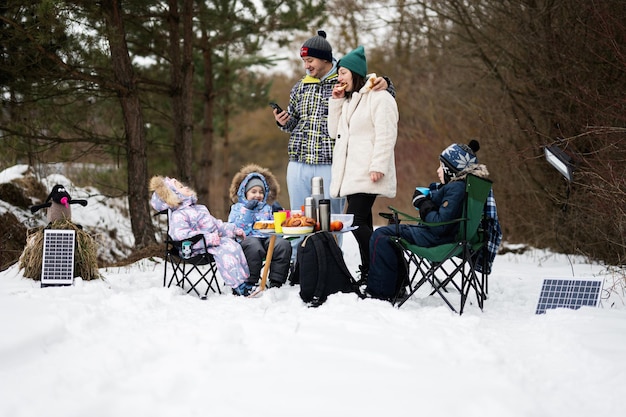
(336, 226)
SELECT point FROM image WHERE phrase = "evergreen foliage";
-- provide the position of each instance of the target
(517, 75)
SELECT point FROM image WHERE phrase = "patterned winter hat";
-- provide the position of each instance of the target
(317, 47)
(457, 157)
(255, 182)
(355, 61)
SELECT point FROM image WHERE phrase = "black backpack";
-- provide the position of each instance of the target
(320, 269)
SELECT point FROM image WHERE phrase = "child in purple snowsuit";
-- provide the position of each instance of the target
(187, 219)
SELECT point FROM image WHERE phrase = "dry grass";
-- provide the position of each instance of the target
(85, 256)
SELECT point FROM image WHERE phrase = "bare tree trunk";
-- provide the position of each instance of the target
(226, 161)
(127, 93)
(205, 162)
(187, 84)
(226, 176)
(181, 73)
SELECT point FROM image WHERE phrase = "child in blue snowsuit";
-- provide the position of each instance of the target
(444, 203)
(253, 190)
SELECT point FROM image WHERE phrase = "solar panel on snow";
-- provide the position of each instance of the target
(568, 293)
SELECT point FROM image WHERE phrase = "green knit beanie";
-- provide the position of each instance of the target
(355, 61)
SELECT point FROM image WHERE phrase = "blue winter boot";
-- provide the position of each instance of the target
(244, 289)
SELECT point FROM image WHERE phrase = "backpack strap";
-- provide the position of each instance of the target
(323, 269)
(338, 255)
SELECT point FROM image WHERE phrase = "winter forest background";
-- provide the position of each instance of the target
(129, 89)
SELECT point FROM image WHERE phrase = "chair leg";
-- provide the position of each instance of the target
(189, 276)
(438, 290)
(443, 273)
(166, 260)
(203, 276)
(213, 273)
(427, 271)
(449, 277)
(471, 280)
(176, 273)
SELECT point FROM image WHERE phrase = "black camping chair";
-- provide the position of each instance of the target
(197, 273)
(451, 264)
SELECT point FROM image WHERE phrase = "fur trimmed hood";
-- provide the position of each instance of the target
(166, 196)
(238, 184)
(479, 170)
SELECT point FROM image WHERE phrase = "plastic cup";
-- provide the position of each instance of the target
(423, 190)
(279, 218)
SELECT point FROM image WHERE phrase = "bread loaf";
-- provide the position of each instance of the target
(263, 225)
(298, 220)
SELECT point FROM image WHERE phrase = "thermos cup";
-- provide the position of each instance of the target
(317, 192)
(310, 208)
(324, 218)
(317, 188)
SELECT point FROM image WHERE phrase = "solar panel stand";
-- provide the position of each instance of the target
(57, 267)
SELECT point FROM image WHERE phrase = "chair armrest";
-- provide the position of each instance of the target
(196, 238)
(407, 217)
(388, 216)
(160, 213)
(177, 245)
(193, 239)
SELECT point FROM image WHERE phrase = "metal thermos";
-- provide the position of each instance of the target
(317, 185)
(317, 192)
(310, 208)
(324, 215)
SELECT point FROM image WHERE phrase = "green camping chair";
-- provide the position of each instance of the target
(451, 264)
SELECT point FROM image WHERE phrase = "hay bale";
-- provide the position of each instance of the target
(85, 255)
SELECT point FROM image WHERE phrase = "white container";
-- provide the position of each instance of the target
(346, 219)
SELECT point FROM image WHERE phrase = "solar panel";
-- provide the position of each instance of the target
(58, 257)
(568, 293)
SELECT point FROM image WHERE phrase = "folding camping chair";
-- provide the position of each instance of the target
(451, 263)
(197, 273)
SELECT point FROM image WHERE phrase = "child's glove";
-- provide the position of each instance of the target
(426, 206)
(213, 239)
(418, 199)
(252, 204)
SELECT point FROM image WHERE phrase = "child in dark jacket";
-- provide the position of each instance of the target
(253, 190)
(444, 203)
(187, 219)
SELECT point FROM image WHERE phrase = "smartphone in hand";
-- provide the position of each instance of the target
(276, 106)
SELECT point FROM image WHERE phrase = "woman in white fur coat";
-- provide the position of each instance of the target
(364, 124)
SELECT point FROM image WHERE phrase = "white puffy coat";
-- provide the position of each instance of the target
(365, 128)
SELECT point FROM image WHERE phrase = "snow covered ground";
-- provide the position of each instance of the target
(126, 346)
